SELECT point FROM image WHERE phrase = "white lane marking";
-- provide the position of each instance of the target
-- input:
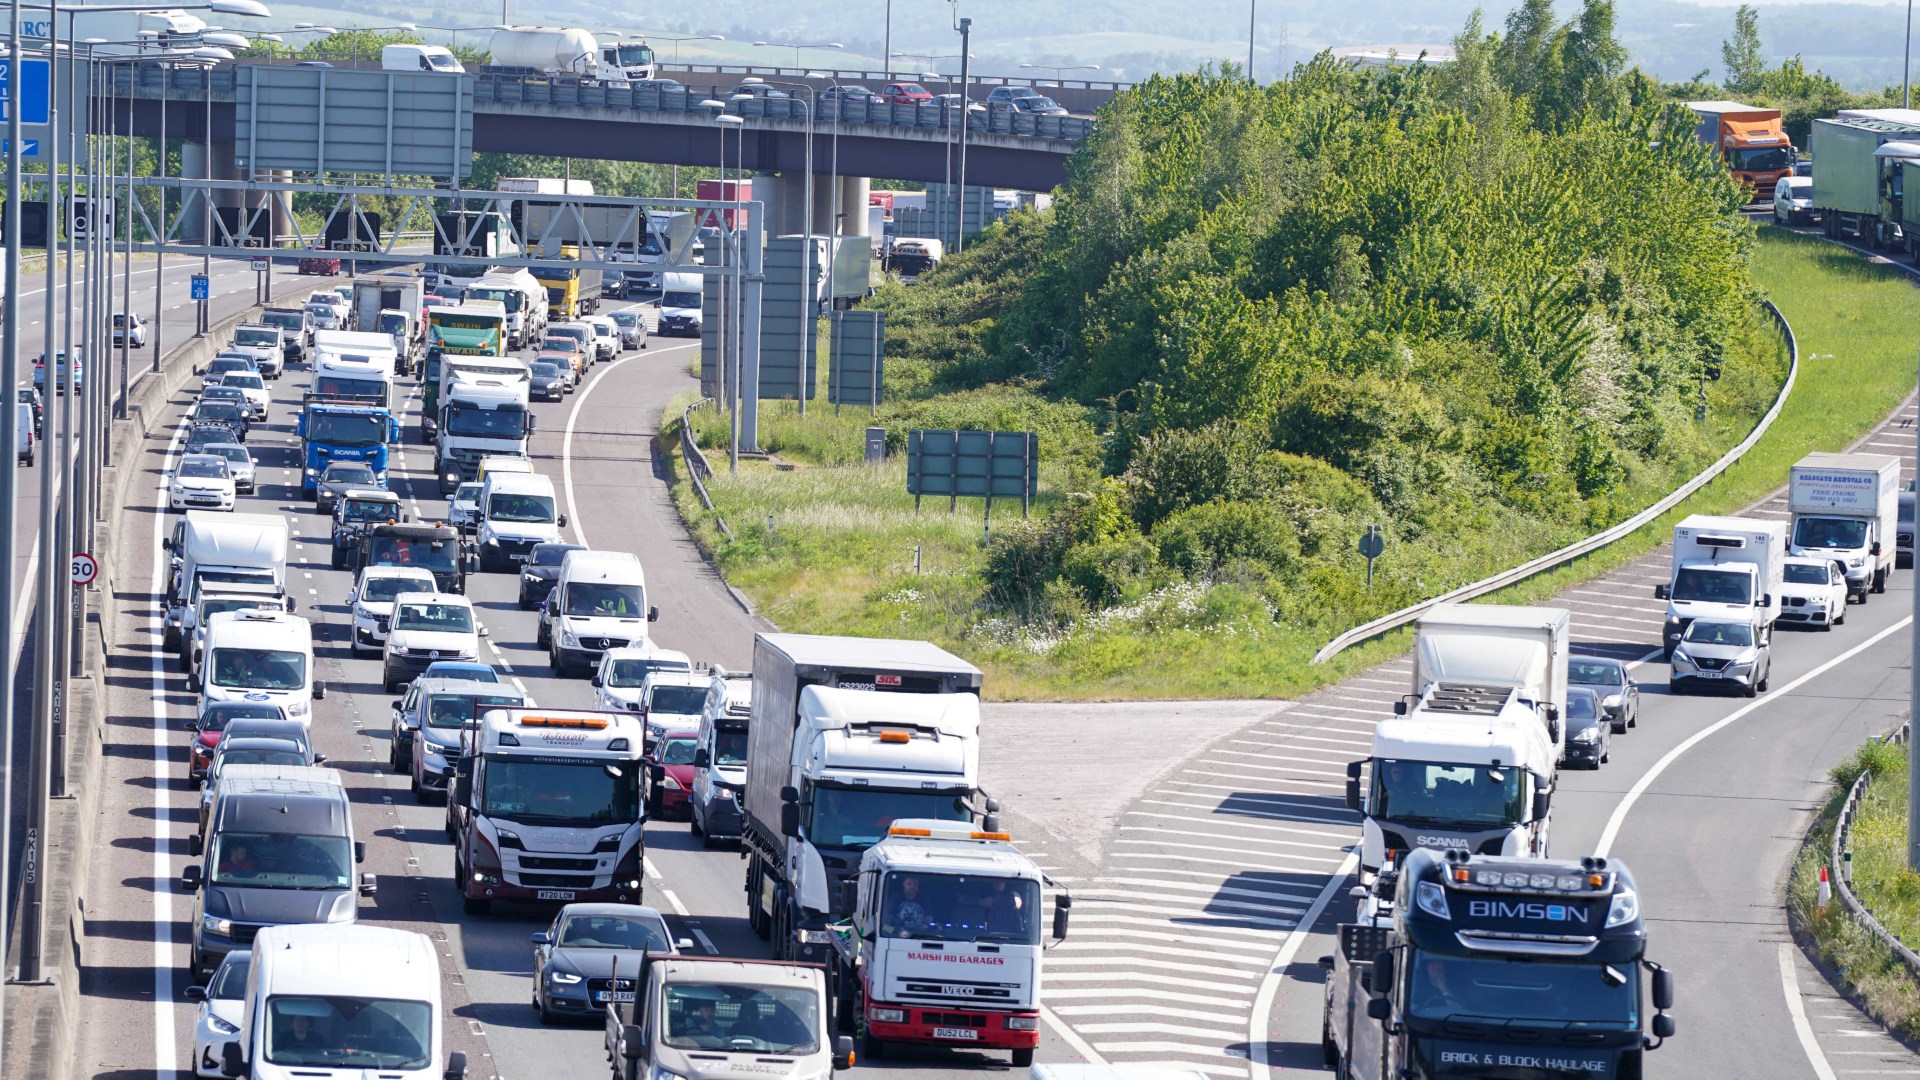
(1795, 1008)
(166, 1022)
(1261, 1016)
(1646, 780)
(679, 908)
(705, 942)
(566, 450)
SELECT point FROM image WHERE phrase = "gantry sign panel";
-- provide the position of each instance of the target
(332, 120)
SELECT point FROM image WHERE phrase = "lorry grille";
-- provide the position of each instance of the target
(947, 1019)
(544, 862)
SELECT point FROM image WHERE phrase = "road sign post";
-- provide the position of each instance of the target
(1371, 545)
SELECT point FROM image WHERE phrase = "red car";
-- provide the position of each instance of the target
(905, 93)
(212, 725)
(314, 264)
(670, 773)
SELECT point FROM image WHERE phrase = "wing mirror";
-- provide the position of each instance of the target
(562, 521)
(1353, 785)
(368, 886)
(843, 1052)
(701, 759)
(190, 877)
(595, 682)
(231, 1063)
(542, 938)
(456, 1066)
(653, 614)
(790, 819)
(319, 691)
(1061, 906)
(1662, 592)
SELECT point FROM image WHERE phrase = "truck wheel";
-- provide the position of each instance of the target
(871, 1047)
(1023, 1058)
(1880, 580)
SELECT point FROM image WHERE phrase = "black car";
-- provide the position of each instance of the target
(222, 412)
(1589, 736)
(549, 381)
(1608, 678)
(541, 571)
(202, 435)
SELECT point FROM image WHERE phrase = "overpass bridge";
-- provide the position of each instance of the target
(570, 118)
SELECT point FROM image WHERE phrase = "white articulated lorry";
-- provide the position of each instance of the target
(1846, 508)
(944, 943)
(847, 735)
(523, 299)
(1723, 568)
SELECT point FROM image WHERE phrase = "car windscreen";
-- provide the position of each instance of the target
(382, 589)
(678, 751)
(258, 669)
(527, 509)
(1703, 632)
(684, 700)
(1593, 673)
(632, 671)
(360, 511)
(1712, 586)
(282, 860)
(218, 716)
(256, 337)
(767, 1020)
(550, 555)
(206, 468)
(348, 472)
(241, 756)
(230, 982)
(1582, 707)
(436, 618)
(544, 371)
(730, 746)
(437, 556)
(459, 710)
(244, 380)
(613, 932)
(1803, 574)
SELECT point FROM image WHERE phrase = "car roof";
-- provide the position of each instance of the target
(258, 742)
(375, 494)
(604, 908)
(433, 598)
(444, 685)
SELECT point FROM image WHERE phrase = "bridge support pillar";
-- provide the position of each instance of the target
(786, 193)
(853, 205)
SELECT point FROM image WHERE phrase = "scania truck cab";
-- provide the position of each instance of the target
(1488, 966)
(1467, 768)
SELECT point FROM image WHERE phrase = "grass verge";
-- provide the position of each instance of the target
(824, 544)
(1882, 880)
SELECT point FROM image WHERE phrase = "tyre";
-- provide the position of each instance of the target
(1751, 690)
(543, 636)
(420, 794)
(1880, 580)
(1619, 728)
(1765, 679)
(871, 1047)
(1023, 1058)
(393, 756)
(524, 605)
(693, 821)
(388, 684)
(1673, 687)
(339, 560)
(1633, 718)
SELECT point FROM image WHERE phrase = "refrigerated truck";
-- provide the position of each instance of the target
(1499, 646)
(545, 808)
(1483, 965)
(212, 548)
(1846, 508)
(1727, 568)
(847, 735)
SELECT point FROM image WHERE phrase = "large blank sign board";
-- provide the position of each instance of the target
(973, 464)
(331, 120)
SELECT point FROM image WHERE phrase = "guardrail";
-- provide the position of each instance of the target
(996, 119)
(698, 469)
(916, 75)
(1591, 544)
(1843, 887)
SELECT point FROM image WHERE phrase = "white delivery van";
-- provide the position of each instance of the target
(1845, 509)
(420, 58)
(261, 655)
(517, 511)
(23, 439)
(598, 603)
(342, 1002)
(1724, 568)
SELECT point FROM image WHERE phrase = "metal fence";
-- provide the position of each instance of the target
(915, 75)
(1591, 544)
(698, 468)
(1843, 887)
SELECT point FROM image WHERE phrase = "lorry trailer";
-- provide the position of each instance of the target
(1858, 184)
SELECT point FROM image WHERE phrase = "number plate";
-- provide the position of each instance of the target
(616, 996)
(554, 894)
(955, 1033)
(1708, 674)
(517, 556)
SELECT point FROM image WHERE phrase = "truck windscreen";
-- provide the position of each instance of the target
(860, 817)
(1700, 584)
(436, 556)
(1762, 159)
(347, 429)
(1504, 990)
(485, 423)
(960, 907)
(509, 298)
(1829, 532)
(552, 792)
(1440, 792)
(635, 56)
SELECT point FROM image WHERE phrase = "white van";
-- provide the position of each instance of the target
(598, 603)
(261, 655)
(23, 441)
(517, 511)
(340, 1002)
(420, 58)
(501, 463)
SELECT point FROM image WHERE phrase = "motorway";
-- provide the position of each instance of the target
(1199, 911)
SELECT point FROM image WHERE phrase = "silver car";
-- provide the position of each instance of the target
(1721, 653)
(239, 464)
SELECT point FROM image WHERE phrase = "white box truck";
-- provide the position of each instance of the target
(1723, 568)
(847, 736)
(1846, 508)
(211, 548)
(1498, 647)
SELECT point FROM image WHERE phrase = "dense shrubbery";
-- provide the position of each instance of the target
(1479, 306)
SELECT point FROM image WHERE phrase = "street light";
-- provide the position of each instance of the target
(730, 322)
(796, 46)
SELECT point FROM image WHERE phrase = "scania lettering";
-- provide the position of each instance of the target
(546, 808)
(1534, 967)
(847, 735)
(893, 965)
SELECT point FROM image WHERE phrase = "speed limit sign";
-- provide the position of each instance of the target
(84, 569)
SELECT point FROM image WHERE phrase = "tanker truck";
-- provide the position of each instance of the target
(567, 52)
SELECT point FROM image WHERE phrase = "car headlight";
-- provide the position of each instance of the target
(213, 924)
(1591, 734)
(528, 575)
(670, 783)
(664, 1074)
(313, 472)
(564, 978)
(434, 753)
(567, 638)
(1857, 561)
(1681, 659)
(221, 1027)
(1613, 701)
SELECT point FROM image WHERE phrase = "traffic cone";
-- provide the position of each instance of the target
(1826, 889)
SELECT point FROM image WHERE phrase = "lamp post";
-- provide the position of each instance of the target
(796, 46)
(733, 320)
(1057, 69)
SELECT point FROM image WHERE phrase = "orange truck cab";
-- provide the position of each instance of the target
(1753, 142)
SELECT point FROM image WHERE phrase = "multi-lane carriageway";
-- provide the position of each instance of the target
(1202, 903)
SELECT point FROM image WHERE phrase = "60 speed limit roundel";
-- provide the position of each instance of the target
(84, 569)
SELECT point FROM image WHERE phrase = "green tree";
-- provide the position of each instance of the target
(1742, 55)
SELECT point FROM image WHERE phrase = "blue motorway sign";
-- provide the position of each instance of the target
(29, 148)
(33, 91)
(200, 289)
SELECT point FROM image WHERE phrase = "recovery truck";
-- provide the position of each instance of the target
(1846, 508)
(545, 808)
(1462, 965)
(716, 1018)
(481, 414)
(436, 547)
(943, 945)
(1499, 646)
(342, 429)
(1723, 568)
(478, 330)
(1466, 768)
(847, 735)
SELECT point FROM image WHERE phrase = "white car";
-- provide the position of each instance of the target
(621, 673)
(201, 482)
(264, 344)
(239, 464)
(342, 307)
(671, 701)
(222, 1001)
(1793, 200)
(131, 328)
(463, 507)
(426, 627)
(372, 601)
(254, 387)
(1813, 592)
(606, 335)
